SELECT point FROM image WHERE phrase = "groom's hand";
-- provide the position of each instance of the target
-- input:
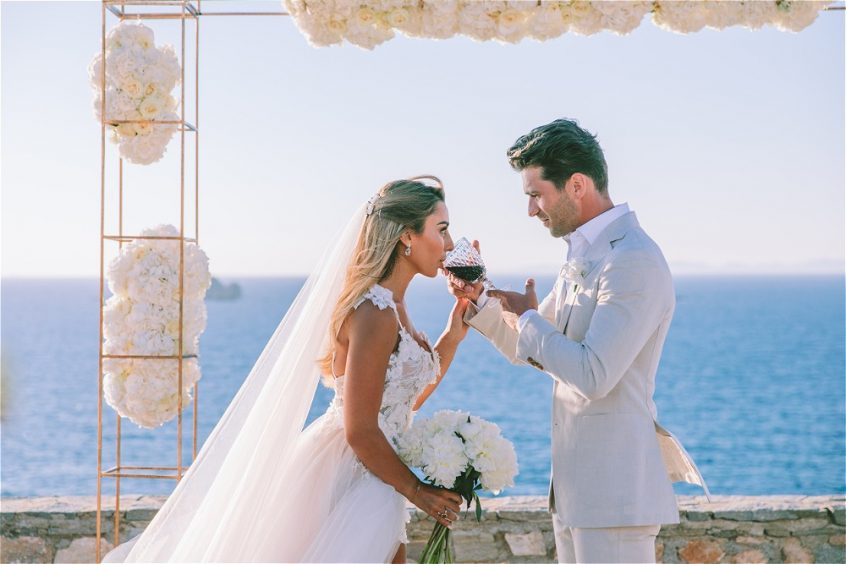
(515, 304)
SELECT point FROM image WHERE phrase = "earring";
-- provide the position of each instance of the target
(408, 251)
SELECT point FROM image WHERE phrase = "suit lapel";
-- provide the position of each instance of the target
(594, 257)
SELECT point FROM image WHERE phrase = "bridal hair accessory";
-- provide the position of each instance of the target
(371, 203)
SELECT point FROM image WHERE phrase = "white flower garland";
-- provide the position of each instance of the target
(142, 318)
(139, 81)
(368, 23)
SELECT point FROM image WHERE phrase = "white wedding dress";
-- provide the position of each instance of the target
(343, 513)
(322, 505)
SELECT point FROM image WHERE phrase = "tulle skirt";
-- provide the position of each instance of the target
(328, 508)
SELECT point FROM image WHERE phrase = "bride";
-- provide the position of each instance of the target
(262, 488)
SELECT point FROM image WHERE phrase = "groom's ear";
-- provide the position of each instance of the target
(581, 185)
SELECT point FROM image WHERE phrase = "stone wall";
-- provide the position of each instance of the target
(513, 529)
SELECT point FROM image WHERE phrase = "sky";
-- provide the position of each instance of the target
(728, 145)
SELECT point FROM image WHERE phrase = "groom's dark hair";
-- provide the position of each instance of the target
(561, 149)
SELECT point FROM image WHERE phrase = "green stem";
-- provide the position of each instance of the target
(437, 547)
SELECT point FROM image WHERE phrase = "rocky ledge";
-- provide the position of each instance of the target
(731, 529)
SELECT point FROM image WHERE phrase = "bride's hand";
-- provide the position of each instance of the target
(456, 327)
(440, 504)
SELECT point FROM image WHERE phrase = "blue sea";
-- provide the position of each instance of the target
(751, 381)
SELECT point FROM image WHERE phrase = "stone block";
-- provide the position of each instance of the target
(837, 540)
(838, 515)
(830, 554)
(734, 515)
(28, 522)
(659, 552)
(83, 550)
(808, 524)
(756, 515)
(477, 546)
(794, 553)
(698, 515)
(750, 540)
(749, 529)
(702, 552)
(749, 557)
(529, 544)
(723, 533)
(778, 532)
(25, 549)
(141, 514)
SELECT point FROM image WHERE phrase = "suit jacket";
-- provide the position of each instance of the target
(600, 340)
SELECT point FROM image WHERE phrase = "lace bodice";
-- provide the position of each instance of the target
(410, 369)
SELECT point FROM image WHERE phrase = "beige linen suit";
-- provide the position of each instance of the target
(600, 341)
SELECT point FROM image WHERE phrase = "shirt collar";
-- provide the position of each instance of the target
(583, 237)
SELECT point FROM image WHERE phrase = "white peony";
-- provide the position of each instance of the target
(445, 445)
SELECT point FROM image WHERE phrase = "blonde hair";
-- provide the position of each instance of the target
(397, 206)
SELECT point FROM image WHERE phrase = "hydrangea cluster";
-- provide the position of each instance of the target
(368, 23)
(142, 318)
(139, 81)
(445, 445)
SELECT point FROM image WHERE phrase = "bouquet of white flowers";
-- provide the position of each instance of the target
(142, 318)
(460, 452)
(139, 78)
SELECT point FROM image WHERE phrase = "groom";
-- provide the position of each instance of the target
(598, 335)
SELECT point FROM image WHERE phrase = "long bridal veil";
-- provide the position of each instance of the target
(216, 509)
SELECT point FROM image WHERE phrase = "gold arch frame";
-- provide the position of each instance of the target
(182, 10)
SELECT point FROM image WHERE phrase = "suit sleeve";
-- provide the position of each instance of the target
(488, 321)
(635, 294)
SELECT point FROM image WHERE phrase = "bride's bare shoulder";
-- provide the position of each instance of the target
(371, 320)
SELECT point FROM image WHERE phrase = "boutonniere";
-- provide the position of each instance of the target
(575, 271)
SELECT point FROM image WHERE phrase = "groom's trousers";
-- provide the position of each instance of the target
(608, 545)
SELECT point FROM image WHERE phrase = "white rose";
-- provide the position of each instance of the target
(439, 19)
(547, 22)
(796, 16)
(681, 16)
(622, 17)
(478, 19)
